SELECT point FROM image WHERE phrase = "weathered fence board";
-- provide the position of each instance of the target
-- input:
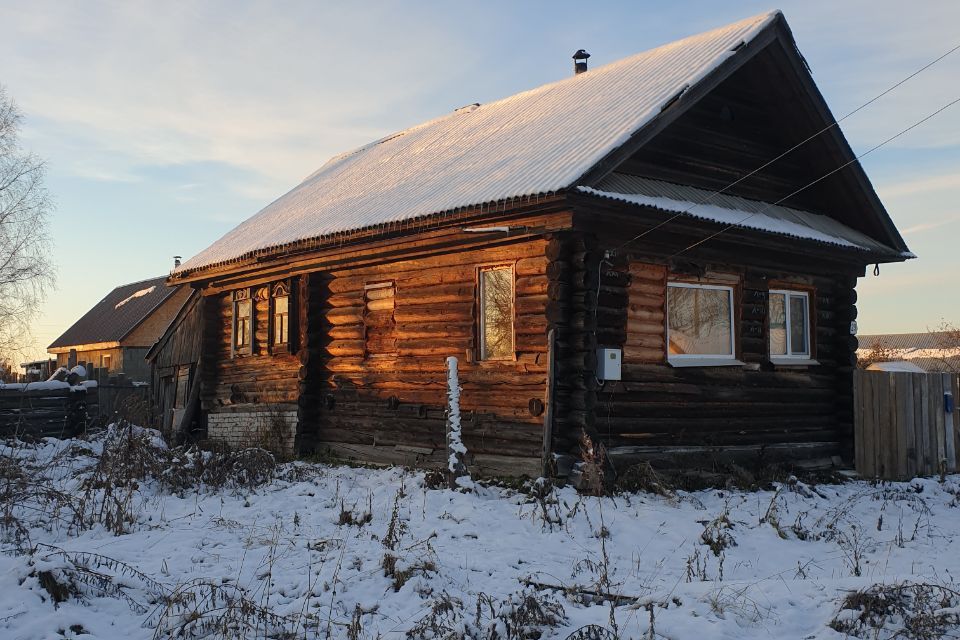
(902, 428)
(65, 412)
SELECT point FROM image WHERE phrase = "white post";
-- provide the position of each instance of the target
(457, 474)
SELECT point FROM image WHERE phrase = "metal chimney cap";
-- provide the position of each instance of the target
(581, 55)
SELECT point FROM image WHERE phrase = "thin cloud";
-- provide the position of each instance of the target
(921, 185)
(928, 226)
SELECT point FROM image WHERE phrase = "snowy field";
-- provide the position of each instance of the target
(137, 541)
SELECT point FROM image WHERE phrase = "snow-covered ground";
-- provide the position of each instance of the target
(325, 551)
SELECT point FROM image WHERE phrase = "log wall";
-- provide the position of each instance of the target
(759, 404)
(242, 385)
(376, 363)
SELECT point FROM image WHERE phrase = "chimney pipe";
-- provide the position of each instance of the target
(580, 61)
(176, 261)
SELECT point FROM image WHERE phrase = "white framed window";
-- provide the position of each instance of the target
(496, 313)
(700, 323)
(789, 313)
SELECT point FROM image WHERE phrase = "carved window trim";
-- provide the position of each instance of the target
(242, 322)
(280, 343)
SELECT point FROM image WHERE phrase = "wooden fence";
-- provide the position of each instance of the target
(906, 424)
(43, 412)
(68, 411)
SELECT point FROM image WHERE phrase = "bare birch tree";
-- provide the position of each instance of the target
(26, 270)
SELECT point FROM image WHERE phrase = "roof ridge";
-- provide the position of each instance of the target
(538, 141)
(461, 111)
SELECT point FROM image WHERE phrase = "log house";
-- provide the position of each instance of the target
(618, 209)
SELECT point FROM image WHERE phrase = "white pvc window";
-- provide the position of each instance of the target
(699, 321)
(789, 324)
(496, 313)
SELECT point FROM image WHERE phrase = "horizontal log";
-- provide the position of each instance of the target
(531, 285)
(643, 288)
(535, 265)
(385, 304)
(639, 327)
(437, 294)
(345, 347)
(455, 312)
(530, 305)
(642, 271)
(342, 315)
(411, 330)
(648, 302)
(643, 354)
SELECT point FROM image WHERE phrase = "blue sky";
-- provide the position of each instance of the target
(165, 124)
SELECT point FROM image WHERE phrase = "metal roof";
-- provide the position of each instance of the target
(922, 340)
(727, 209)
(119, 313)
(537, 142)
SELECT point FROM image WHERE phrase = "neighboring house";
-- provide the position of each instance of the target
(114, 336)
(931, 351)
(568, 210)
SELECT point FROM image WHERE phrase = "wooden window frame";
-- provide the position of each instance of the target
(792, 358)
(372, 286)
(282, 289)
(480, 325)
(238, 297)
(708, 359)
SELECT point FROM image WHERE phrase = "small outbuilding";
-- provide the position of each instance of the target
(660, 254)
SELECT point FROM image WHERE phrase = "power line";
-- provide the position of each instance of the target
(821, 178)
(788, 151)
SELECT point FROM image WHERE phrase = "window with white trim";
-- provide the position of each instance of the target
(699, 321)
(789, 313)
(496, 313)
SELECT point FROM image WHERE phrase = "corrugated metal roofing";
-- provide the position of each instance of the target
(923, 340)
(537, 142)
(117, 314)
(728, 209)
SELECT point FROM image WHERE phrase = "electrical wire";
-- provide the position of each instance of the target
(820, 179)
(787, 152)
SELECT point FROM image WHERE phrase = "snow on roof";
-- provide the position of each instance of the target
(727, 209)
(117, 314)
(922, 340)
(136, 294)
(898, 366)
(537, 142)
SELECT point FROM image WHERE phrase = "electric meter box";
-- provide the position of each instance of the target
(608, 363)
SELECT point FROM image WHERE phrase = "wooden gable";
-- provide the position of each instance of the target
(718, 135)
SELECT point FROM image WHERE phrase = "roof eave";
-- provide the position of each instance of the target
(864, 255)
(262, 257)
